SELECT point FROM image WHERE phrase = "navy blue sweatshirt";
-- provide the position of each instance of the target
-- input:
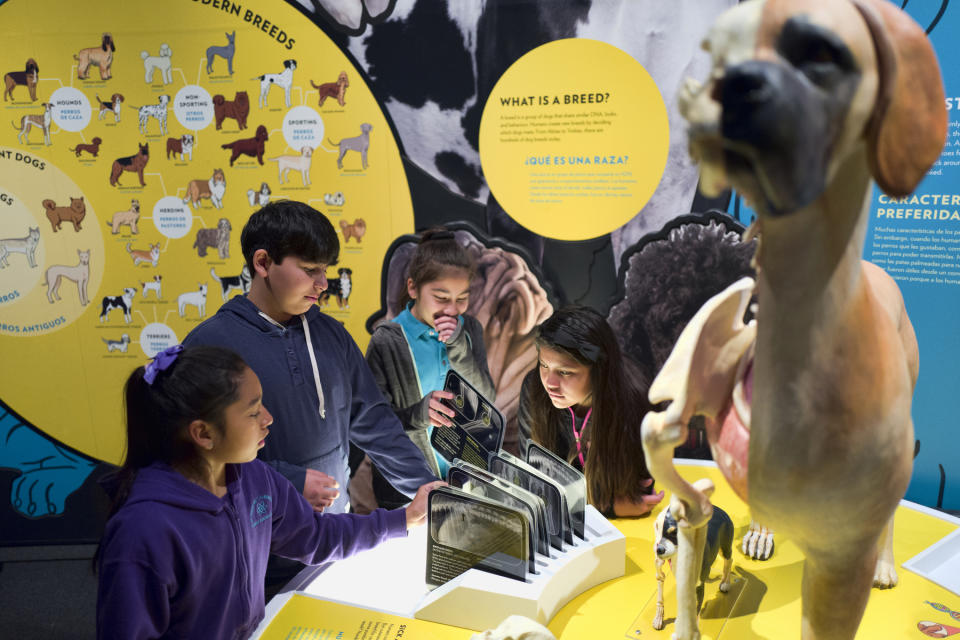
(354, 409)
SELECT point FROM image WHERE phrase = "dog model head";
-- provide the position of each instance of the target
(290, 64)
(342, 79)
(665, 535)
(799, 86)
(106, 43)
(218, 178)
(96, 141)
(165, 51)
(261, 133)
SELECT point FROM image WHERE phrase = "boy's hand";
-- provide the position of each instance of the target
(439, 412)
(417, 510)
(319, 489)
(445, 326)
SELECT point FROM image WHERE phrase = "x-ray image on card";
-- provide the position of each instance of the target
(573, 482)
(477, 431)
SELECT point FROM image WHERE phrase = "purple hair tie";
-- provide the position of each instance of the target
(161, 362)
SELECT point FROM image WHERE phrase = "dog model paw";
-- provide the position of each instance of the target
(758, 542)
(658, 618)
(885, 576)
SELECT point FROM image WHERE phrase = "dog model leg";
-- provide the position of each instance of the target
(690, 545)
(836, 585)
(885, 574)
(661, 576)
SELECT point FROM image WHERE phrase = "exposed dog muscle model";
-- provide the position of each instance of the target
(808, 408)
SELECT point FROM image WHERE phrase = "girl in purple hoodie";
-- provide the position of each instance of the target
(196, 514)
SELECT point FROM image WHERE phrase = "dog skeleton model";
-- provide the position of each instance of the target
(807, 99)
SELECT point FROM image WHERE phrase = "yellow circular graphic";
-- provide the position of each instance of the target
(574, 139)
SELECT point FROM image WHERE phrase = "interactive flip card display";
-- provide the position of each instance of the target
(518, 472)
(477, 482)
(466, 531)
(478, 427)
(573, 482)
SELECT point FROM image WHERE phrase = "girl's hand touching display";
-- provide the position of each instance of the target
(417, 510)
(438, 412)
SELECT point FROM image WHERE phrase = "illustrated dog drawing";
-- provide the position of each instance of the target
(718, 539)
(284, 80)
(813, 399)
(114, 106)
(182, 146)
(359, 143)
(124, 302)
(196, 299)
(117, 345)
(340, 287)
(150, 256)
(214, 188)
(238, 109)
(26, 245)
(336, 90)
(259, 197)
(153, 285)
(299, 163)
(75, 213)
(334, 199)
(218, 238)
(134, 164)
(78, 273)
(229, 284)
(101, 57)
(93, 148)
(130, 217)
(160, 62)
(28, 78)
(158, 111)
(226, 52)
(39, 120)
(252, 147)
(356, 229)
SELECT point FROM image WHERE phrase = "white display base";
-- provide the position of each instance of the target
(391, 579)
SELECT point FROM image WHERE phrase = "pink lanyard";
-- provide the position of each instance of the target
(578, 434)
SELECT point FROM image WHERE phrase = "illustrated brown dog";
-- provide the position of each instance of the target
(101, 57)
(93, 148)
(74, 213)
(808, 408)
(182, 146)
(133, 164)
(355, 230)
(218, 238)
(27, 78)
(335, 90)
(214, 188)
(252, 147)
(130, 217)
(238, 109)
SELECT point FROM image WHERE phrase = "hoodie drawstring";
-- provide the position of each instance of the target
(313, 358)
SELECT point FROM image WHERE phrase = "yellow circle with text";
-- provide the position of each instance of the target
(574, 139)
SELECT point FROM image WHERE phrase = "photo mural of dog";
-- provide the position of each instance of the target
(123, 302)
(134, 164)
(181, 146)
(114, 106)
(360, 144)
(238, 109)
(27, 78)
(218, 238)
(160, 62)
(117, 345)
(336, 90)
(154, 285)
(228, 284)
(130, 217)
(299, 163)
(252, 147)
(196, 299)
(35, 121)
(787, 425)
(26, 245)
(226, 52)
(355, 229)
(284, 80)
(93, 148)
(78, 273)
(75, 213)
(340, 287)
(101, 57)
(214, 188)
(150, 255)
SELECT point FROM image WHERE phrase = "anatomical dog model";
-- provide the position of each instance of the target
(808, 407)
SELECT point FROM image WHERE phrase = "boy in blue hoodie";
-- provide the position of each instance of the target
(315, 380)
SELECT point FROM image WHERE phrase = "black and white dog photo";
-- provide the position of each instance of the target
(341, 287)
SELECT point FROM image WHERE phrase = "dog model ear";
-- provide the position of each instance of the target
(908, 127)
